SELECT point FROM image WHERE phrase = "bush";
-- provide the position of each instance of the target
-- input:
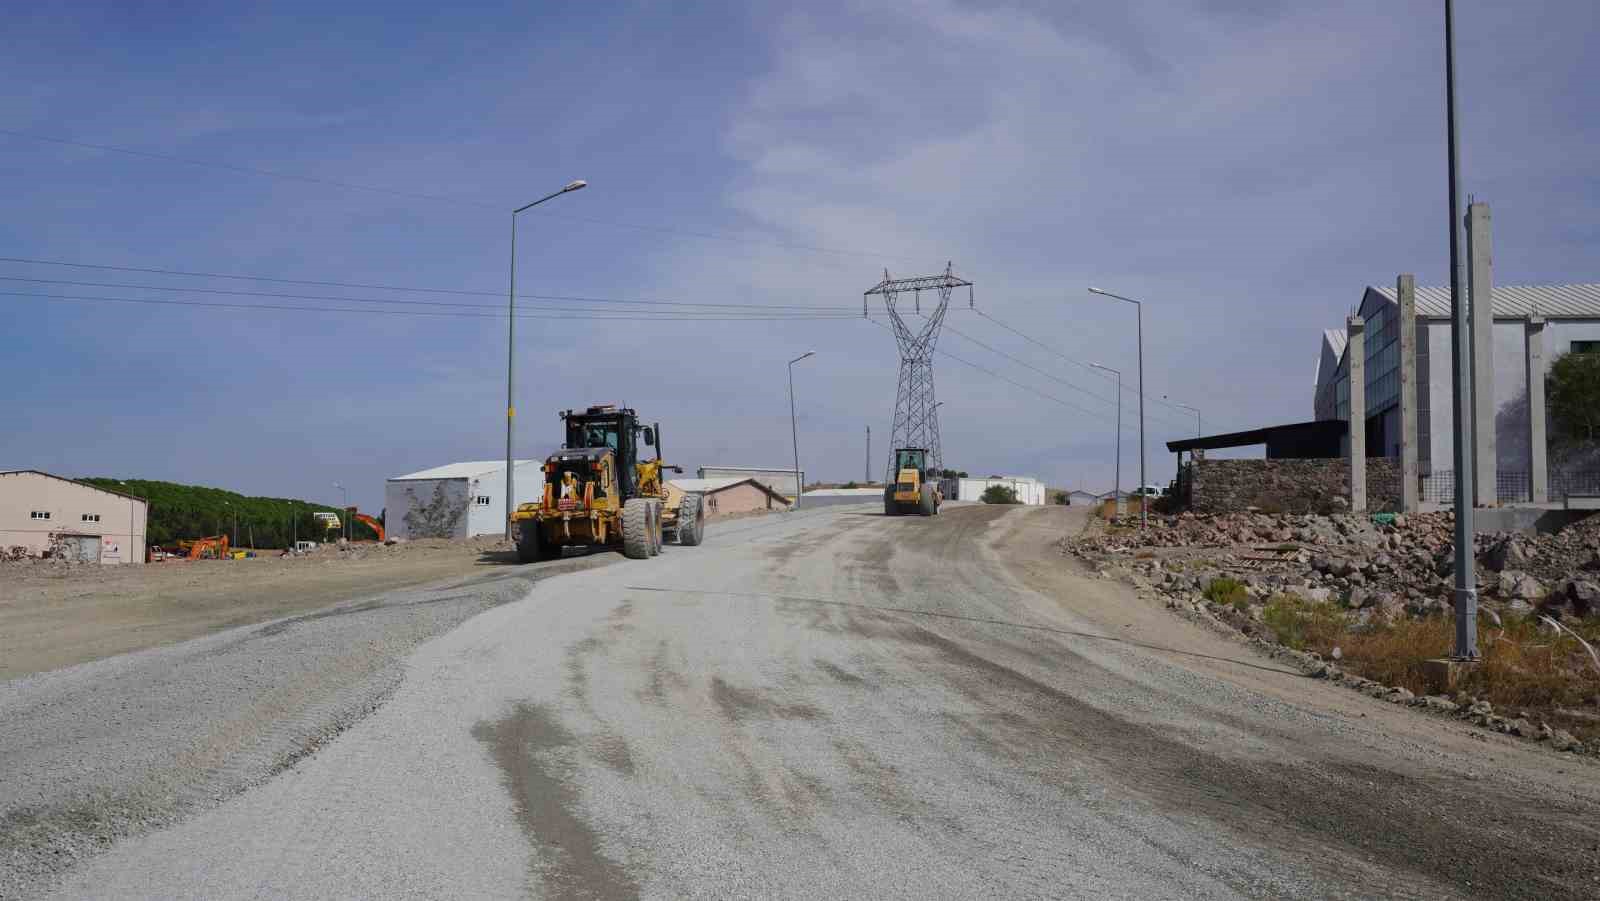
(1061, 498)
(1303, 625)
(1228, 591)
(999, 494)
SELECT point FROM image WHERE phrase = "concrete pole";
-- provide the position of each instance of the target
(1356, 354)
(1466, 580)
(1480, 290)
(1405, 290)
(1538, 450)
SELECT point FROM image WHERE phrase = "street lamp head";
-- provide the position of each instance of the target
(1094, 290)
(575, 185)
(809, 353)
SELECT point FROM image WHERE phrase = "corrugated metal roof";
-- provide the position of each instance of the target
(1516, 301)
(1337, 339)
(469, 470)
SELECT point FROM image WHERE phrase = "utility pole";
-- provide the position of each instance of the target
(1139, 310)
(1116, 488)
(511, 347)
(1466, 588)
(869, 455)
(794, 431)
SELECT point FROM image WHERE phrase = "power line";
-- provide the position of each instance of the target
(841, 311)
(622, 315)
(1029, 366)
(439, 198)
(1028, 388)
(1048, 349)
(460, 292)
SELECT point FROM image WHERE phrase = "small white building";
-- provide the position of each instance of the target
(1029, 490)
(459, 500)
(41, 512)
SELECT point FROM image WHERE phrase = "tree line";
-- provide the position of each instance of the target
(178, 512)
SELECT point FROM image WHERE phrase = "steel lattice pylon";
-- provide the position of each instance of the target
(916, 422)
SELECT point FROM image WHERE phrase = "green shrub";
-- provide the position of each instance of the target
(999, 494)
(1228, 591)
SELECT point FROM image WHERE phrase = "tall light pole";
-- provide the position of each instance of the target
(344, 524)
(235, 510)
(1139, 308)
(511, 347)
(1116, 487)
(1193, 410)
(1466, 593)
(794, 430)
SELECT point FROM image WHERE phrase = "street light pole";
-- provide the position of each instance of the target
(1193, 410)
(1116, 487)
(344, 523)
(794, 430)
(1466, 588)
(511, 345)
(1139, 308)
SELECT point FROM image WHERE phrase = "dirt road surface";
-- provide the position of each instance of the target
(826, 704)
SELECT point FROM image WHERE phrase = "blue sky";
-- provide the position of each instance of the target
(1247, 168)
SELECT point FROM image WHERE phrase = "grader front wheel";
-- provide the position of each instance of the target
(637, 524)
(690, 527)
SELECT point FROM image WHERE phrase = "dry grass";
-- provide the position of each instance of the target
(1304, 625)
(1527, 668)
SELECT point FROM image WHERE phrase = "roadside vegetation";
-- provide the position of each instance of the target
(1531, 666)
(999, 494)
(195, 511)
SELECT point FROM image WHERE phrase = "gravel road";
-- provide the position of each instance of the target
(825, 704)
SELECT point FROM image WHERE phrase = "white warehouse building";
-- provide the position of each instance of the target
(458, 500)
(1029, 490)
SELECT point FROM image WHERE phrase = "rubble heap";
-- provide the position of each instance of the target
(1400, 564)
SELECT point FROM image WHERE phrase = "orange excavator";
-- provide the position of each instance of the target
(373, 524)
(194, 550)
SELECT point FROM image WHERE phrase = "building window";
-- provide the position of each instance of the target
(483, 500)
(91, 517)
(41, 514)
(1585, 347)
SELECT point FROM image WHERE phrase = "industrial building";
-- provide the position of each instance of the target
(725, 497)
(783, 481)
(47, 514)
(458, 500)
(1029, 489)
(1513, 339)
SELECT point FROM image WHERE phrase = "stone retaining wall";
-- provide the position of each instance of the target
(1292, 486)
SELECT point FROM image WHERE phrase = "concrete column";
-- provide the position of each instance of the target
(1480, 289)
(1538, 464)
(1405, 291)
(1356, 355)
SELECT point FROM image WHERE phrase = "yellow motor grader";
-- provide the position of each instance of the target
(913, 490)
(598, 492)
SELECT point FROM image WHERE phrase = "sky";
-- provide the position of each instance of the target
(1243, 168)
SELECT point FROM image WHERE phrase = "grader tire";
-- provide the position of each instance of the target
(926, 505)
(636, 523)
(690, 528)
(655, 528)
(531, 547)
(890, 508)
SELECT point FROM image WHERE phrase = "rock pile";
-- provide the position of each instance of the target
(1401, 564)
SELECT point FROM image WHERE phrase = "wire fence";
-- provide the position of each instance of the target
(1513, 487)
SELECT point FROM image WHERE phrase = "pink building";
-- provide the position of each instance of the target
(41, 512)
(725, 497)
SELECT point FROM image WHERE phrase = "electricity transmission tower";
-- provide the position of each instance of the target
(916, 422)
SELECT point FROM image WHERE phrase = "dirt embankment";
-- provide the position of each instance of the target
(58, 614)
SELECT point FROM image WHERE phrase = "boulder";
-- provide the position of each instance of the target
(1562, 740)
(1358, 598)
(1519, 585)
